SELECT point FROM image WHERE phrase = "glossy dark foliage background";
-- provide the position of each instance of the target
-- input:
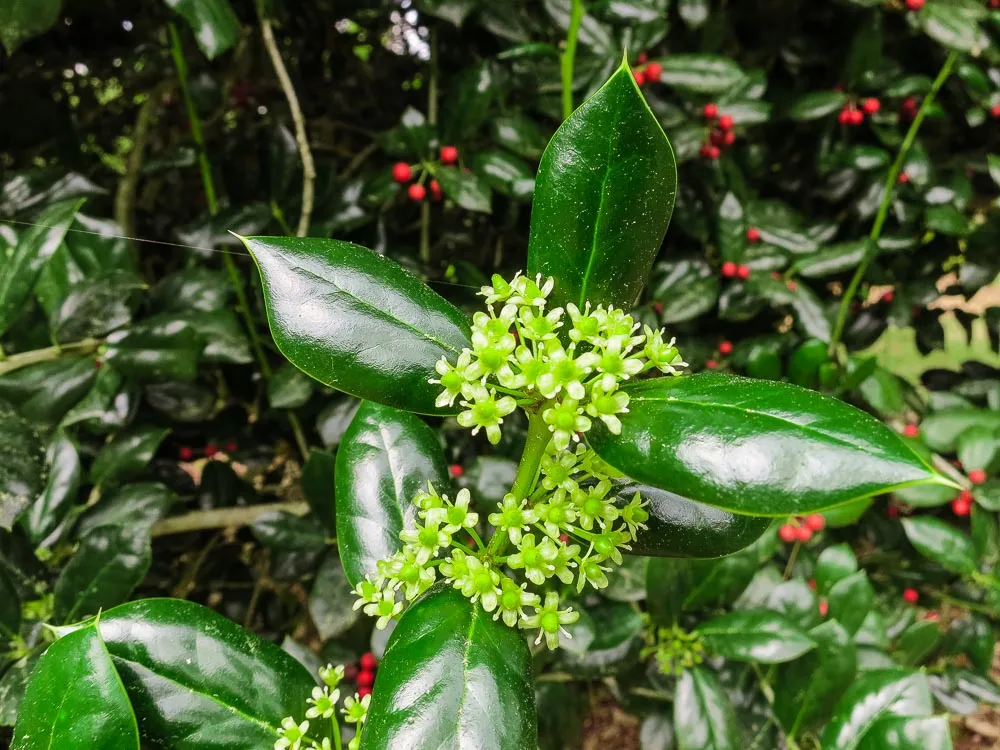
(192, 464)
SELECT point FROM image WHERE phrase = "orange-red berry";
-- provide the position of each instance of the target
(640, 77)
(914, 5)
(449, 154)
(653, 72)
(803, 533)
(456, 471)
(893, 510)
(995, 110)
(787, 533)
(232, 446)
(710, 111)
(871, 105)
(711, 364)
(368, 661)
(726, 122)
(815, 522)
(743, 272)
(211, 449)
(185, 453)
(729, 269)
(792, 286)
(812, 583)
(857, 117)
(961, 507)
(642, 58)
(401, 172)
(363, 691)
(725, 347)
(903, 178)
(753, 234)
(366, 678)
(911, 595)
(435, 190)
(824, 607)
(417, 192)
(977, 476)
(911, 430)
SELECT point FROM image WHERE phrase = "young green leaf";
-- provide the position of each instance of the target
(757, 447)
(452, 676)
(942, 543)
(603, 198)
(356, 321)
(703, 715)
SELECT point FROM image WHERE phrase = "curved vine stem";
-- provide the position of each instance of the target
(24, 359)
(569, 57)
(883, 210)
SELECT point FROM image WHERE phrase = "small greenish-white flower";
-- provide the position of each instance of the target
(326, 744)
(615, 364)
(549, 620)
(527, 368)
(405, 569)
(556, 512)
(367, 592)
(355, 743)
(663, 356)
(425, 540)
(617, 323)
(592, 572)
(491, 359)
(539, 326)
(323, 703)
(513, 517)
(356, 709)
(531, 292)
(558, 467)
(513, 599)
(609, 543)
(566, 372)
(332, 675)
(562, 566)
(586, 326)
(635, 515)
(606, 404)
(480, 583)
(385, 608)
(565, 419)
(290, 734)
(535, 559)
(455, 567)
(451, 378)
(455, 516)
(501, 291)
(592, 505)
(485, 411)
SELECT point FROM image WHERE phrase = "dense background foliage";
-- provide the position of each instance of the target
(154, 442)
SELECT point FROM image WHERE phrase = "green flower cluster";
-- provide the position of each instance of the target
(293, 735)
(566, 525)
(675, 649)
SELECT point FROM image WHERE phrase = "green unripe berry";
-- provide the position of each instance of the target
(550, 622)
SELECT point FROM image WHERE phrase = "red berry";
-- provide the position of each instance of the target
(887, 297)
(653, 72)
(932, 616)
(366, 678)
(914, 4)
(908, 106)
(713, 152)
(417, 192)
(725, 347)
(211, 449)
(815, 522)
(911, 430)
(657, 307)
(564, 538)
(363, 691)
(960, 507)
(642, 58)
(965, 495)
(729, 138)
(788, 533)
(711, 364)
(368, 662)
(729, 269)
(977, 476)
(449, 154)
(775, 275)
(456, 471)
(753, 234)
(350, 672)
(803, 533)
(871, 105)
(185, 453)
(911, 595)
(995, 110)
(995, 4)
(903, 178)
(844, 118)
(857, 117)
(98, 363)
(893, 511)
(435, 190)
(812, 583)
(743, 272)
(640, 77)
(717, 138)
(710, 111)
(726, 122)
(401, 172)
(792, 286)
(232, 446)
(824, 607)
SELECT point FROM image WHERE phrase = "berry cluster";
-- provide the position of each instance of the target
(730, 270)
(801, 529)
(853, 115)
(962, 505)
(294, 735)
(914, 5)
(722, 136)
(647, 72)
(403, 173)
(567, 525)
(187, 453)
(725, 349)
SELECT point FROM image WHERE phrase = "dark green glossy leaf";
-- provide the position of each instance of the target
(164, 347)
(386, 456)
(954, 25)
(10, 612)
(50, 507)
(917, 643)
(610, 647)
(795, 600)
(762, 636)
(331, 601)
(20, 20)
(465, 188)
(676, 585)
(94, 307)
(289, 387)
(452, 676)
(876, 695)
(686, 288)
(471, 95)
(12, 688)
(627, 582)
(43, 393)
(834, 564)
(832, 260)
(809, 313)
(213, 23)
(850, 600)
(333, 421)
(612, 157)
(731, 229)
(107, 566)
(195, 289)
(979, 448)
(358, 301)
(22, 471)
(941, 430)
(136, 507)
(755, 446)
(704, 718)
(908, 733)
(183, 402)
(816, 104)
(221, 332)
(489, 478)
(942, 543)
(519, 134)
(34, 247)
(76, 700)
(925, 495)
(703, 74)
(126, 456)
(973, 636)
(504, 172)
(678, 527)
(195, 678)
(106, 406)
(285, 531)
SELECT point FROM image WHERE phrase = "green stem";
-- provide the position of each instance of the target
(336, 734)
(569, 56)
(33, 357)
(527, 472)
(883, 210)
(177, 51)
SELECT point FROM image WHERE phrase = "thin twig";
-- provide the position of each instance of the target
(223, 518)
(301, 136)
(125, 194)
(16, 361)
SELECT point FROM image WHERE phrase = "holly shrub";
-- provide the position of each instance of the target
(471, 374)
